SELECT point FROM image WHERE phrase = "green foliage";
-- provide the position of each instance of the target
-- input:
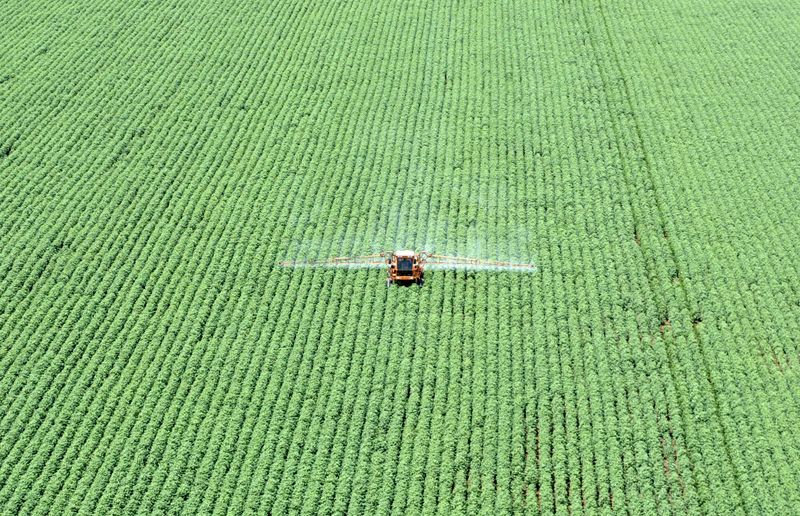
(157, 161)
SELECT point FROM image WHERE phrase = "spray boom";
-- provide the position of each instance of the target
(409, 266)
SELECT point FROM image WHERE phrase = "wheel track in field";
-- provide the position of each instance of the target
(639, 143)
(332, 452)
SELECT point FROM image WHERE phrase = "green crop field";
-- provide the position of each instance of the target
(159, 159)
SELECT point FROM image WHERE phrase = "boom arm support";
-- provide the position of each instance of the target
(370, 260)
(424, 259)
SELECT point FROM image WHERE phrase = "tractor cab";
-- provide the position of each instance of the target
(404, 266)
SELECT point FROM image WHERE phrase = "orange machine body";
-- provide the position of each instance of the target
(405, 266)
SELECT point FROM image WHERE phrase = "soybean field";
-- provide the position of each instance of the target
(160, 159)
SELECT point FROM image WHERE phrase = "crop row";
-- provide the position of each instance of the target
(162, 159)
